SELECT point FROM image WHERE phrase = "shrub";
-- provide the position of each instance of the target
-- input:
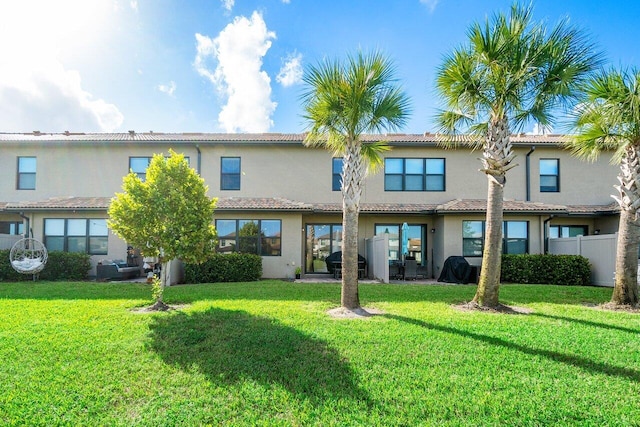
(233, 267)
(572, 270)
(7, 273)
(60, 266)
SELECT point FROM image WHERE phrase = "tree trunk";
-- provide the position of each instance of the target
(165, 277)
(625, 290)
(349, 295)
(489, 283)
(497, 159)
(353, 172)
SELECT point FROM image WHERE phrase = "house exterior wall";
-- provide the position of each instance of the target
(295, 172)
(286, 169)
(117, 248)
(282, 266)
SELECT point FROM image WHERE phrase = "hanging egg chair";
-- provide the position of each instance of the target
(28, 256)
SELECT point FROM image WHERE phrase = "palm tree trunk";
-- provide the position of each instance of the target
(349, 295)
(497, 159)
(489, 283)
(353, 172)
(625, 290)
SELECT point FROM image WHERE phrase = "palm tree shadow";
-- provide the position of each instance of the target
(232, 346)
(568, 359)
(587, 323)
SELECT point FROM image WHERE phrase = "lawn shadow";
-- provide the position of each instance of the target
(76, 290)
(588, 323)
(230, 346)
(567, 359)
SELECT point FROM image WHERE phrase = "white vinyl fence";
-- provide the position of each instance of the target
(378, 257)
(7, 240)
(600, 250)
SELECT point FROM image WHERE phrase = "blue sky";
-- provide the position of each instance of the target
(236, 66)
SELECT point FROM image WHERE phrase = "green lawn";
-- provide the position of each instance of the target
(267, 354)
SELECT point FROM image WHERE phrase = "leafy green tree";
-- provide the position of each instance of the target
(168, 215)
(512, 72)
(609, 120)
(344, 101)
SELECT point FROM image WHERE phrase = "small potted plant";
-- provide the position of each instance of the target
(298, 272)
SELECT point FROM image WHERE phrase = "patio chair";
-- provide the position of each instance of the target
(410, 269)
(421, 272)
(394, 271)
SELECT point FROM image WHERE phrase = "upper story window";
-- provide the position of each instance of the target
(76, 235)
(414, 174)
(230, 173)
(336, 174)
(549, 175)
(254, 236)
(139, 165)
(515, 237)
(26, 173)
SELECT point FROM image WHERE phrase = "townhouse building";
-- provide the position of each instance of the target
(282, 200)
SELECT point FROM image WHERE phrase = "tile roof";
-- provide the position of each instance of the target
(280, 204)
(386, 208)
(511, 206)
(610, 209)
(265, 203)
(429, 139)
(63, 203)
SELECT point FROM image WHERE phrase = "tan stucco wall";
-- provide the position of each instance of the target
(303, 174)
(117, 248)
(295, 172)
(292, 237)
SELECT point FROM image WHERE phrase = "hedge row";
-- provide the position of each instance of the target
(60, 266)
(571, 270)
(233, 267)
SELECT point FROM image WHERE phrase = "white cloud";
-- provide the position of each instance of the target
(228, 4)
(168, 89)
(286, 1)
(134, 5)
(37, 91)
(237, 53)
(431, 4)
(291, 72)
(49, 98)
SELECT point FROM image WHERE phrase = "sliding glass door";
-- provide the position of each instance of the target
(321, 240)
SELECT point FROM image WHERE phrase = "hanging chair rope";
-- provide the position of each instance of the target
(28, 256)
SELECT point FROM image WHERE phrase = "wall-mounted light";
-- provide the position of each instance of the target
(596, 231)
(433, 230)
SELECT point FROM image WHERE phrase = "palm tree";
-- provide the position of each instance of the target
(342, 102)
(511, 73)
(609, 120)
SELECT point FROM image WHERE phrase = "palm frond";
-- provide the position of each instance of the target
(372, 152)
(349, 99)
(609, 118)
(516, 69)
